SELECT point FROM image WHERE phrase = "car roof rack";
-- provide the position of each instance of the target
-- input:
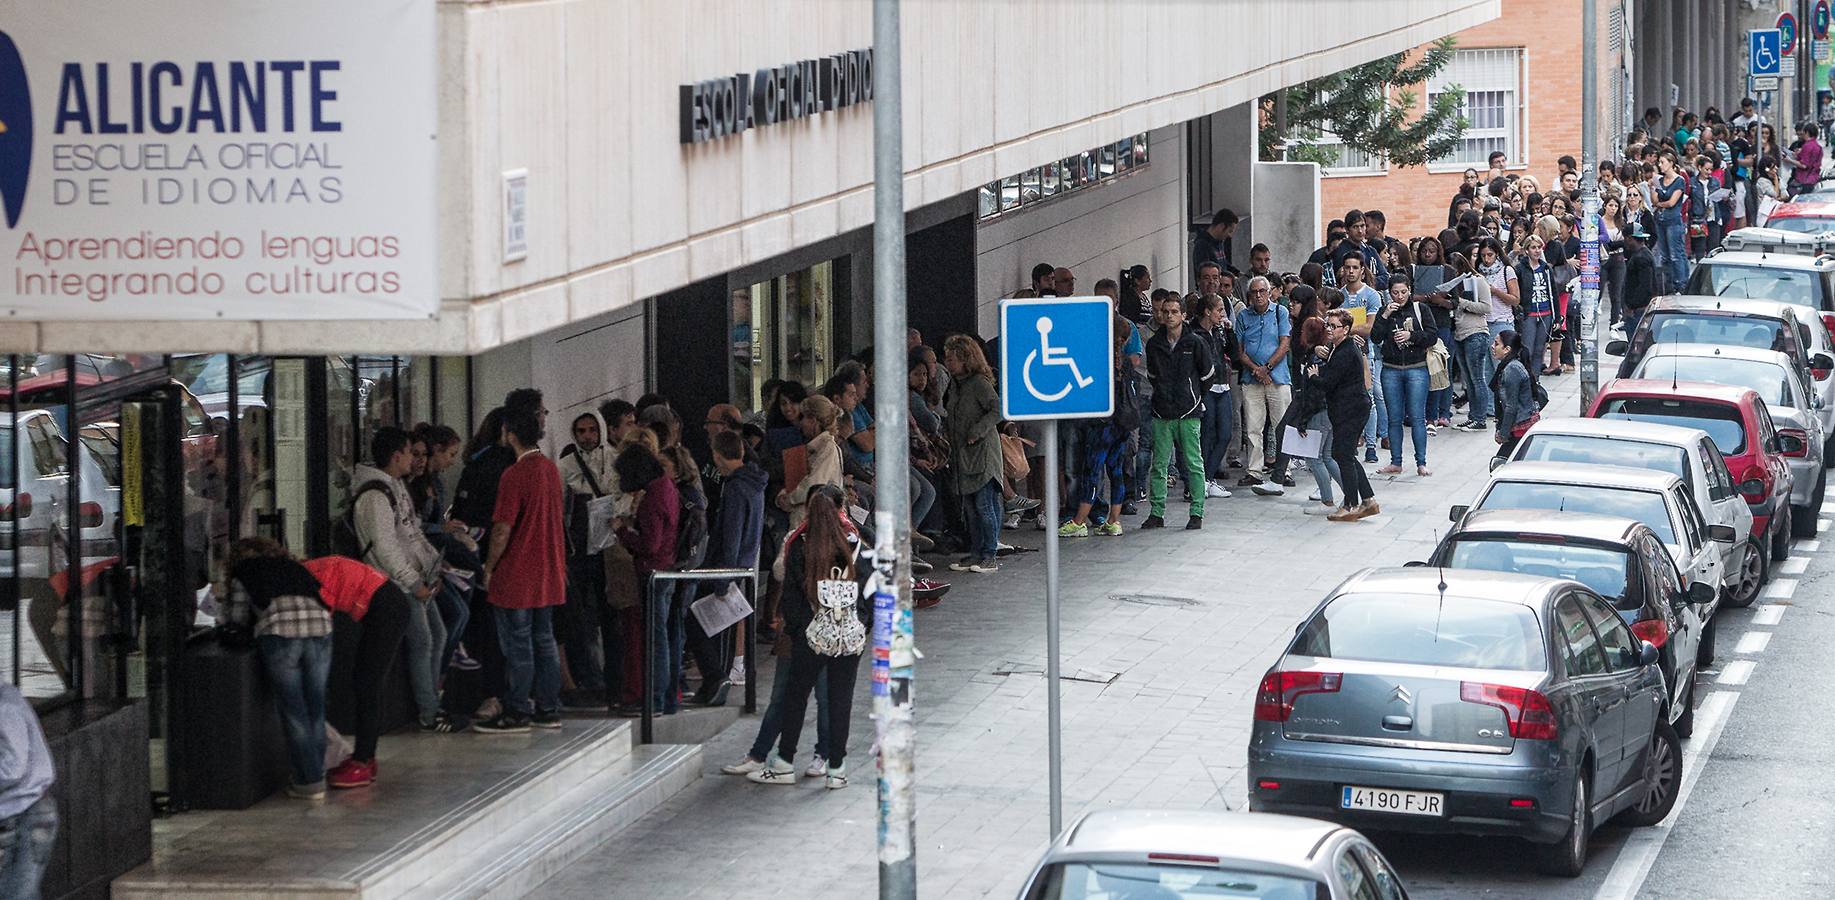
(1774, 240)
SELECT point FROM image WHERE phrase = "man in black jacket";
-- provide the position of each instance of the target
(734, 536)
(1181, 368)
(1640, 275)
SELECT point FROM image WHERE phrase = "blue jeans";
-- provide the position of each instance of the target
(455, 611)
(1672, 253)
(26, 842)
(771, 725)
(1215, 430)
(530, 659)
(923, 497)
(1440, 402)
(1324, 469)
(1407, 393)
(1378, 422)
(673, 612)
(426, 640)
(984, 514)
(1475, 359)
(297, 668)
(1536, 330)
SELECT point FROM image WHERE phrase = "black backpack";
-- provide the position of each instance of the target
(691, 530)
(344, 539)
(1127, 415)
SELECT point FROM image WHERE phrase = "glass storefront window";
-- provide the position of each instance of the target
(787, 332)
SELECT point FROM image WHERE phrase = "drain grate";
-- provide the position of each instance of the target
(1173, 601)
(1088, 676)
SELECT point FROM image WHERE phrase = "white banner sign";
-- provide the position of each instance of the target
(217, 159)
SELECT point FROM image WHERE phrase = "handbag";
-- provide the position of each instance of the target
(1438, 378)
(836, 629)
(1013, 457)
(1522, 427)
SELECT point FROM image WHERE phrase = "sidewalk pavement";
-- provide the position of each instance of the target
(1165, 637)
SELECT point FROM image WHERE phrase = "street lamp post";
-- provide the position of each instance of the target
(1589, 204)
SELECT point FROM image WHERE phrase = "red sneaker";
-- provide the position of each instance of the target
(352, 773)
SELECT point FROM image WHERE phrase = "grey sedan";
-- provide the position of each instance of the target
(1442, 700)
(1139, 854)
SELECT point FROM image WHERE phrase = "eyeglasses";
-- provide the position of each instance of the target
(1331, 325)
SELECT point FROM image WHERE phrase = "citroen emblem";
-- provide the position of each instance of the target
(1401, 693)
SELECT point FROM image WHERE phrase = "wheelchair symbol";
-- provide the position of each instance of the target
(1048, 355)
(1765, 59)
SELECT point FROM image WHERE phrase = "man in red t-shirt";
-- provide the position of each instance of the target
(526, 571)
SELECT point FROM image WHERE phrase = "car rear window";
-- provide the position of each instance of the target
(1723, 279)
(1604, 569)
(1111, 880)
(1706, 327)
(1771, 380)
(1467, 632)
(1803, 224)
(1626, 503)
(1599, 450)
(1721, 421)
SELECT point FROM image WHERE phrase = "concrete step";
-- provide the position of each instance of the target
(572, 826)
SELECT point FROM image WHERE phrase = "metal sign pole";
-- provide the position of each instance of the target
(894, 651)
(1054, 714)
(1589, 204)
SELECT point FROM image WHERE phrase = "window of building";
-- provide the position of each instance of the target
(1494, 107)
(1061, 177)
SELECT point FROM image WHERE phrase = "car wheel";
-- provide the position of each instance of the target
(1750, 576)
(1568, 856)
(1662, 777)
(1704, 652)
(1685, 723)
(1780, 539)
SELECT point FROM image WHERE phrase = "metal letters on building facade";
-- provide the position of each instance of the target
(722, 107)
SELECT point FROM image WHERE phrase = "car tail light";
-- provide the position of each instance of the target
(90, 514)
(1198, 858)
(18, 509)
(1828, 321)
(1268, 785)
(1656, 631)
(1274, 700)
(1529, 713)
(1522, 803)
(1803, 442)
(1755, 484)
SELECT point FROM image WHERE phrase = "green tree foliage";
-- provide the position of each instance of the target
(1373, 108)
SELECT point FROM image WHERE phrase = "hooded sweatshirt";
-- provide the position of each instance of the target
(736, 532)
(392, 531)
(598, 461)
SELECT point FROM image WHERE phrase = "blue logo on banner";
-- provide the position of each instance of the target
(15, 131)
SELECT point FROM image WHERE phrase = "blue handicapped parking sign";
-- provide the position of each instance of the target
(1057, 358)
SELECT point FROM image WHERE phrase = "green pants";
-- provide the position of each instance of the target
(1185, 432)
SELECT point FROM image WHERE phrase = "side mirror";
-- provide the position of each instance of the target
(1456, 513)
(1497, 461)
(1822, 361)
(1700, 593)
(1721, 534)
(1816, 401)
(1647, 653)
(1617, 348)
(1789, 444)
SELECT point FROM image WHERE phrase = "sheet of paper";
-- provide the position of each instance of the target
(1719, 195)
(1304, 446)
(718, 612)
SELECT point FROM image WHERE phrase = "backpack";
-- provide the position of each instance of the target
(344, 539)
(1127, 415)
(835, 628)
(691, 530)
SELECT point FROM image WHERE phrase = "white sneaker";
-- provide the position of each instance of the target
(776, 771)
(837, 778)
(1011, 523)
(1216, 491)
(817, 768)
(736, 677)
(1320, 509)
(745, 766)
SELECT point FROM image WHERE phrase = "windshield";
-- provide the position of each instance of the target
(1721, 422)
(1599, 450)
(1803, 224)
(1755, 282)
(1626, 503)
(1601, 568)
(1770, 380)
(1725, 329)
(1123, 881)
(1452, 631)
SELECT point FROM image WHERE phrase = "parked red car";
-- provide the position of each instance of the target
(1735, 417)
(1804, 216)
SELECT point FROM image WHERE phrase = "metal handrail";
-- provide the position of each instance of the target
(647, 653)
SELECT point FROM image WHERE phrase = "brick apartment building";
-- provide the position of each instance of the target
(1521, 73)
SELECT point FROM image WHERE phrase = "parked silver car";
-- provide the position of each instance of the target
(1191, 853)
(1446, 700)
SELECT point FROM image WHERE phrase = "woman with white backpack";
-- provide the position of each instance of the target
(825, 617)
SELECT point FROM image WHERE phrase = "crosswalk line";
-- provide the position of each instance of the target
(1753, 642)
(1769, 614)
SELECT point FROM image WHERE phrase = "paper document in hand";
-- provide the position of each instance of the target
(1481, 288)
(718, 612)
(1304, 446)
(1450, 286)
(1719, 195)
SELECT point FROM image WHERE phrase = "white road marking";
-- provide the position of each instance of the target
(1639, 852)
(1781, 589)
(1822, 525)
(1753, 642)
(1736, 672)
(1806, 546)
(1769, 614)
(1794, 566)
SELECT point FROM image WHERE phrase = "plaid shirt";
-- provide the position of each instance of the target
(286, 617)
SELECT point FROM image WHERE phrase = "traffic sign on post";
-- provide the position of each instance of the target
(1057, 358)
(1757, 84)
(1787, 25)
(1764, 52)
(1819, 19)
